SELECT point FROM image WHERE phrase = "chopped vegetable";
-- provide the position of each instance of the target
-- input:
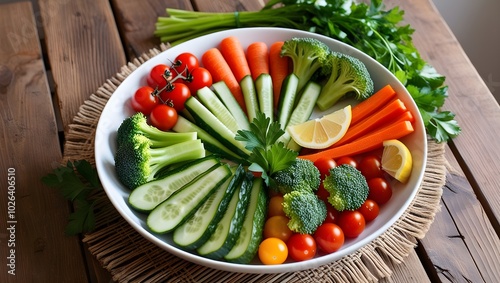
(301, 175)
(372, 104)
(258, 59)
(278, 69)
(233, 52)
(347, 187)
(305, 210)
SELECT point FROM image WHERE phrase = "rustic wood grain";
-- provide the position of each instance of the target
(410, 271)
(31, 147)
(90, 53)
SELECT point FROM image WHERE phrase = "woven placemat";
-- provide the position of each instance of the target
(131, 258)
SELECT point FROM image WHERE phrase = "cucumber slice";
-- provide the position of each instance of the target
(199, 227)
(146, 197)
(228, 229)
(215, 105)
(172, 212)
(250, 95)
(287, 99)
(264, 87)
(250, 236)
(232, 105)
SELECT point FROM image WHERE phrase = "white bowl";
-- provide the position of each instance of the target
(118, 108)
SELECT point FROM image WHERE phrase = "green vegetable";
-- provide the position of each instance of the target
(368, 27)
(78, 182)
(268, 155)
(305, 210)
(137, 163)
(347, 76)
(300, 175)
(347, 187)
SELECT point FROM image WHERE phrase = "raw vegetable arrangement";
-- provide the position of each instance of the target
(222, 152)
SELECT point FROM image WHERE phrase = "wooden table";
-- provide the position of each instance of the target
(55, 53)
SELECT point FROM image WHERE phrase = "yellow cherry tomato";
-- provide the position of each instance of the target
(273, 251)
(277, 227)
(275, 206)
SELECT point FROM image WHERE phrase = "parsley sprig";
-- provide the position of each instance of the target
(77, 181)
(268, 154)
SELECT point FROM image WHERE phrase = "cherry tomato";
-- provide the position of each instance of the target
(324, 165)
(347, 160)
(371, 167)
(200, 77)
(331, 214)
(380, 190)
(273, 251)
(176, 96)
(163, 117)
(144, 100)
(185, 62)
(277, 227)
(369, 209)
(322, 193)
(301, 247)
(329, 237)
(158, 76)
(275, 206)
(352, 223)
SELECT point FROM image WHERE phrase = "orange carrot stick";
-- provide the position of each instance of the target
(278, 69)
(233, 52)
(366, 143)
(386, 115)
(372, 104)
(406, 116)
(258, 59)
(215, 63)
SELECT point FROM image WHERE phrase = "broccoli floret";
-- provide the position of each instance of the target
(137, 163)
(348, 76)
(307, 55)
(302, 174)
(305, 210)
(137, 124)
(347, 187)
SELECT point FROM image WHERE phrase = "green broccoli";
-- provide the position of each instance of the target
(137, 163)
(302, 174)
(307, 55)
(305, 210)
(137, 124)
(347, 187)
(347, 76)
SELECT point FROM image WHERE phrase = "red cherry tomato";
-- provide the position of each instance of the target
(371, 167)
(347, 160)
(324, 165)
(158, 76)
(163, 117)
(176, 96)
(200, 77)
(329, 237)
(352, 223)
(331, 214)
(369, 209)
(185, 62)
(301, 247)
(380, 190)
(144, 100)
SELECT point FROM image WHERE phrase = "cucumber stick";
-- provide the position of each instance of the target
(264, 88)
(175, 210)
(199, 227)
(229, 227)
(250, 236)
(215, 105)
(232, 105)
(146, 197)
(250, 96)
(287, 99)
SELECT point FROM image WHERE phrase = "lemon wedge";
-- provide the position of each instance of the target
(397, 160)
(322, 132)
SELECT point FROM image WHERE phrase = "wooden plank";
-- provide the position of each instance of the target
(477, 111)
(136, 21)
(83, 47)
(411, 270)
(30, 148)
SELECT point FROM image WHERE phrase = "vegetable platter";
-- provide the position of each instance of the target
(119, 108)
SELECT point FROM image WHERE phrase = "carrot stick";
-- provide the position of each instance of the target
(278, 69)
(366, 143)
(372, 104)
(406, 116)
(388, 114)
(258, 59)
(215, 63)
(233, 52)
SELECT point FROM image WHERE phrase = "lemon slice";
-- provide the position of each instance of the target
(397, 160)
(322, 132)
